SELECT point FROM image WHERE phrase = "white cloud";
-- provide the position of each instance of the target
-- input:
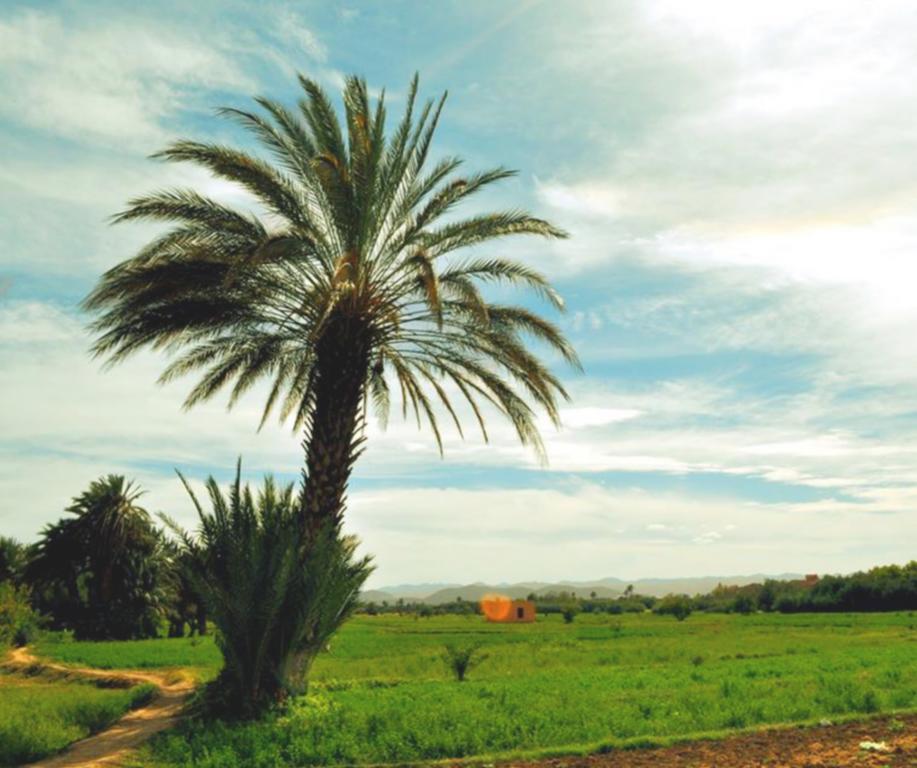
(577, 418)
(66, 421)
(120, 421)
(762, 155)
(114, 82)
(789, 146)
(589, 531)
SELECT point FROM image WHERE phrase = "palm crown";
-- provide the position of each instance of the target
(345, 285)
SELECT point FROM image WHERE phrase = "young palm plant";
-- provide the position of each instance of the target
(275, 594)
(349, 284)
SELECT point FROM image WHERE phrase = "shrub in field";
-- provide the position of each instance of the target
(461, 658)
(569, 613)
(678, 606)
(101, 572)
(275, 590)
(18, 622)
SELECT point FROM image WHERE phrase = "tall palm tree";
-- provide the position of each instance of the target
(109, 520)
(345, 285)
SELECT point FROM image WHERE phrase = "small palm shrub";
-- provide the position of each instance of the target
(275, 590)
(461, 658)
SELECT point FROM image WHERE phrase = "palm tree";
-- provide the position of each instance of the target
(109, 519)
(346, 285)
(100, 571)
(275, 596)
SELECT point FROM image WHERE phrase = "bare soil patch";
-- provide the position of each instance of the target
(822, 746)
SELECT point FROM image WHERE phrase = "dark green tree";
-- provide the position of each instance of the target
(185, 610)
(102, 571)
(13, 556)
(679, 606)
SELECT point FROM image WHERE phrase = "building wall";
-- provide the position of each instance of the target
(520, 612)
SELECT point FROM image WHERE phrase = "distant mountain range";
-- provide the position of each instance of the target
(437, 594)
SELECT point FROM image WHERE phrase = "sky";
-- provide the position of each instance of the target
(740, 185)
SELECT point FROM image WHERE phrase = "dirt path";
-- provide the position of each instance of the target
(111, 746)
(820, 746)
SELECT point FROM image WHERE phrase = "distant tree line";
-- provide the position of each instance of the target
(457, 607)
(884, 588)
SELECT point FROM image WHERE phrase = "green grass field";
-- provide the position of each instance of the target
(198, 654)
(383, 693)
(39, 717)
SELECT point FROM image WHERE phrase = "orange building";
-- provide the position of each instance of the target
(505, 611)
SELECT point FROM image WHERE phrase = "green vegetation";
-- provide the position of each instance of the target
(679, 606)
(19, 623)
(199, 654)
(13, 556)
(885, 588)
(382, 692)
(101, 572)
(39, 717)
(276, 590)
(461, 658)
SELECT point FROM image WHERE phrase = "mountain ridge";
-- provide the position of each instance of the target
(608, 587)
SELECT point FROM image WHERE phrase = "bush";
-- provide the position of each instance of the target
(275, 591)
(678, 606)
(13, 557)
(460, 659)
(743, 604)
(569, 614)
(19, 623)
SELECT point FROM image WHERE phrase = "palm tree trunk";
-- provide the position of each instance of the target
(332, 445)
(201, 617)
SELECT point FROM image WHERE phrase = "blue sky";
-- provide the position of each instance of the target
(739, 182)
